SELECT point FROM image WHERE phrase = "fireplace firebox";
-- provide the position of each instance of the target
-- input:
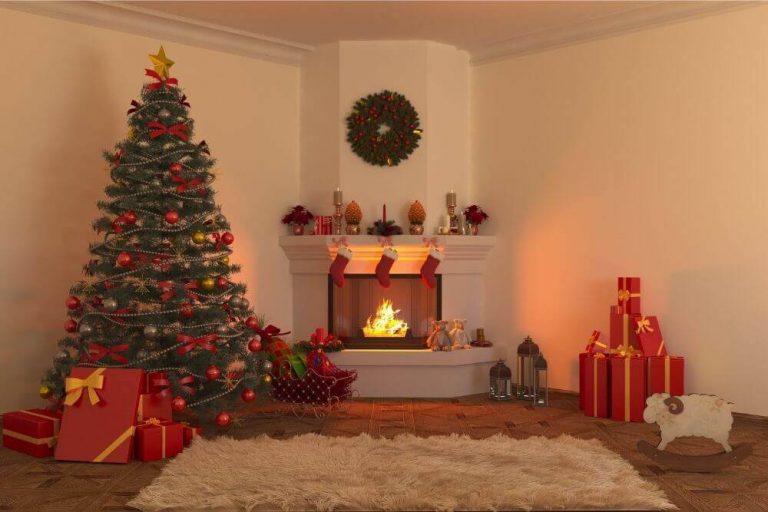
(365, 315)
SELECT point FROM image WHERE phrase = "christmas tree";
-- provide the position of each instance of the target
(157, 292)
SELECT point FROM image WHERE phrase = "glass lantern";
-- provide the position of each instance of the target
(501, 381)
(540, 385)
(527, 353)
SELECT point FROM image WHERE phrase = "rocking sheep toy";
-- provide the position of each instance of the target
(439, 339)
(688, 416)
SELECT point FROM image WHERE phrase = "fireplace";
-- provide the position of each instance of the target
(365, 315)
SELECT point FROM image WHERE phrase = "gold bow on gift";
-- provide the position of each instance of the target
(644, 325)
(627, 352)
(74, 387)
(625, 295)
(152, 421)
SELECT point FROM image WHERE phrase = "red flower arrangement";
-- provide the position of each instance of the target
(475, 215)
(298, 215)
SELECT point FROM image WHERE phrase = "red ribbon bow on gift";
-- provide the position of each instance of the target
(183, 100)
(135, 105)
(160, 82)
(157, 129)
(97, 352)
(185, 383)
(158, 384)
(204, 342)
(268, 332)
(184, 185)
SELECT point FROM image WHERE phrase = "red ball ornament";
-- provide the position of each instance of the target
(222, 282)
(254, 345)
(73, 302)
(227, 238)
(172, 217)
(130, 217)
(248, 395)
(175, 167)
(212, 372)
(178, 403)
(124, 259)
(70, 325)
(186, 310)
(223, 419)
(251, 323)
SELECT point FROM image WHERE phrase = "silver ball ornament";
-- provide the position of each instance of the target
(223, 329)
(110, 304)
(151, 332)
(220, 219)
(236, 301)
(245, 303)
(85, 329)
(156, 183)
(142, 354)
(164, 113)
(267, 365)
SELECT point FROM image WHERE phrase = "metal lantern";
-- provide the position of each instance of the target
(527, 353)
(540, 384)
(501, 381)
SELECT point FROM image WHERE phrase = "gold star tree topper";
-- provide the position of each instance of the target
(161, 63)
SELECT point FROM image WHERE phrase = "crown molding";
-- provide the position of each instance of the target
(643, 17)
(145, 22)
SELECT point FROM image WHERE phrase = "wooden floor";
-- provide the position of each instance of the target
(46, 485)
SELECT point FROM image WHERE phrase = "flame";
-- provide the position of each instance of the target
(384, 323)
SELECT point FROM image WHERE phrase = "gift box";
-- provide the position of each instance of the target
(99, 414)
(649, 334)
(190, 433)
(596, 386)
(323, 225)
(153, 405)
(158, 439)
(666, 374)
(629, 295)
(33, 432)
(623, 334)
(628, 387)
(592, 345)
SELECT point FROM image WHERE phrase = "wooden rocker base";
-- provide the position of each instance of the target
(695, 463)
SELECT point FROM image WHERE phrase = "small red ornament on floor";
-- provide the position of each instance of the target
(248, 395)
(223, 419)
(70, 325)
(250, 322)
(254, 345)
(175, 168)
(212, 372)
(124, 259)
(178, 403)
(72, 302)
(172, 217)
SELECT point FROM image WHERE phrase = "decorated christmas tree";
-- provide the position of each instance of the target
(157, 292)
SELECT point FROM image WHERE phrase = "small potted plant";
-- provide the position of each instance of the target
(298, 217)
(474, 216)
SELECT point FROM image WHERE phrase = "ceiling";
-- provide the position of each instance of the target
(286, 30)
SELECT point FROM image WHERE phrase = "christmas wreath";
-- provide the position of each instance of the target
(383, 128)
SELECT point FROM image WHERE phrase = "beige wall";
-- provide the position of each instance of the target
(645, 154)
(64, 94)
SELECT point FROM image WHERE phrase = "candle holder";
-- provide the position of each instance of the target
(337, 219)
(453, 225)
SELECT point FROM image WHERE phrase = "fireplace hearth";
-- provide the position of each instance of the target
(365, 315)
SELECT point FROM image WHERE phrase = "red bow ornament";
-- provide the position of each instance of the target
(268, 332)
(157, 129)
(192, 285)
(135, 105)
(97, 352)
(191, 343)
(167, 290)
(186, 384)
(117, 157)
(183, 100)
(184, 185)
(160, 82)
(158, 384)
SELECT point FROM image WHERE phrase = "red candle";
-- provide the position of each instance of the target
(384, 215)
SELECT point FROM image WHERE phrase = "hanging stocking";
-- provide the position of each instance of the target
(388, 257)
(430, 265)
(343, 255)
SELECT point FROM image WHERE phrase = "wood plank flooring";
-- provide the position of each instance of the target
(43, 485)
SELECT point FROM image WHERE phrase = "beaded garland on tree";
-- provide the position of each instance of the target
(157, 293)
(383, 128)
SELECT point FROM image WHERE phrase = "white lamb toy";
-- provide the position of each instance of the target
(690, 415)
(459, 336)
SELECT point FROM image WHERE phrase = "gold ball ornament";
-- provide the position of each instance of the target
(267, 378)
(207, 283)
(224, 260)
(45, 391)
(198, 237)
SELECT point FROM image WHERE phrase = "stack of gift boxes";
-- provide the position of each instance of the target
(109, 415)
(616, 378)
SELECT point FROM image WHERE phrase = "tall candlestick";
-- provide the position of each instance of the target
(384, 214)
(337, 196)
(337, 215)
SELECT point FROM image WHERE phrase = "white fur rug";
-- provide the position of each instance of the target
(313, 472)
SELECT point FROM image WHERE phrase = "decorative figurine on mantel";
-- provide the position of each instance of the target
(416, 216)
(298, 217)
(439, 339)
(353, 215)
(385, 227)
(459, 337)
(475, 216)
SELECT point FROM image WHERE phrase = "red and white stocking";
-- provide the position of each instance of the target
(388, 257)
(343, 255)
(430, 265)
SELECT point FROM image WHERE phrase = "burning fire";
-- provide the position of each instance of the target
(384, 323)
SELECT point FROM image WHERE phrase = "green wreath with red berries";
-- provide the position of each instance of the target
(383, 128)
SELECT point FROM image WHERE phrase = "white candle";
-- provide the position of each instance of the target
(337, 197)
(451, 198)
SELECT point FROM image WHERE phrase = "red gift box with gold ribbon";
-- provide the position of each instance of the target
(593, 345)
(33, 432)
(648, 332)
(629, 295)
(623, 334)
(190, 433)
(666, 374)
(155, 399)
(99, 414)
(158, 439)
(628, 386)
(596, 385)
